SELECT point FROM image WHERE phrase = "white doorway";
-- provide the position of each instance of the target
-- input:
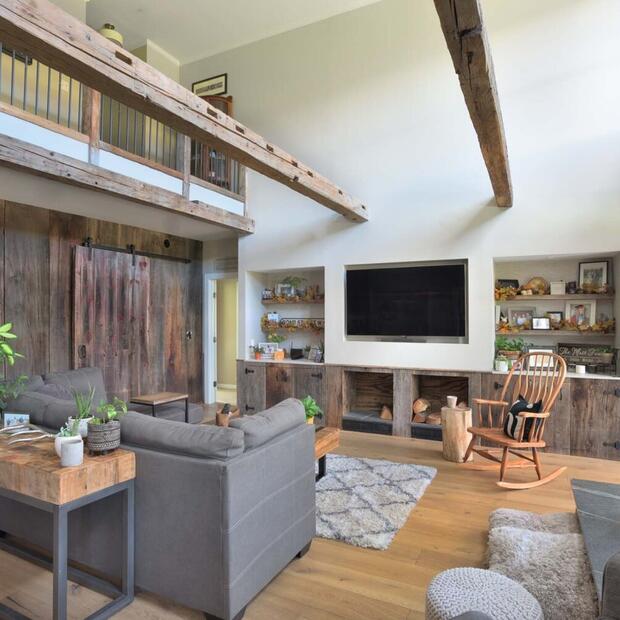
(222, 320)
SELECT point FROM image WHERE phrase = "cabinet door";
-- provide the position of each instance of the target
(312, 382)
(279, 383)
(558, 425)
(595, 418)
(250, 387)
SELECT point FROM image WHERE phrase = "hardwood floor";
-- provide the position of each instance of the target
(334, 580)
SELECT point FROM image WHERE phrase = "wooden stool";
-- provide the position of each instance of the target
(454, 423)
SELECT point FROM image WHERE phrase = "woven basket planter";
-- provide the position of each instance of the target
(104, 437)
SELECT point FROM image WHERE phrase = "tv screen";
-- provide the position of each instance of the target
(411, 301)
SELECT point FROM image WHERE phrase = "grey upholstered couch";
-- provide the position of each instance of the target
(219, 511)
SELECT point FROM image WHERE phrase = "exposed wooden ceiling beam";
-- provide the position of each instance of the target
(44, 31)
(36, 160)
(463, 28)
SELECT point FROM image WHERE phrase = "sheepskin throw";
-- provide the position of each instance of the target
(547, 556)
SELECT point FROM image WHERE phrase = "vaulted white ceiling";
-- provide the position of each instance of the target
(194, 29)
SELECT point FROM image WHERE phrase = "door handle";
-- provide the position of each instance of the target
(617, 392)
(498, 385)
(188, 334)
(82, 351)
(317, 375)
(248, 371)
(248, 408)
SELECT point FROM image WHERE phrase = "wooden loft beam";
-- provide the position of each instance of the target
(39, 28)
(36, 160)
(463, 28)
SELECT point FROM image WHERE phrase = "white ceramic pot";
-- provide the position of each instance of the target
(58, 441)
(501, 365)
(83, 425)
(72, 451)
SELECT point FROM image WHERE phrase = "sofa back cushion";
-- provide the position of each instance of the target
(44, 410)
(81, 379)
(209, 442)
(264, 426)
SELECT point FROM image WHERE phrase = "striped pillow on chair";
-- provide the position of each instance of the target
(513, 422)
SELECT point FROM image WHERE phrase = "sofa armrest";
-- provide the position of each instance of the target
(610, 601)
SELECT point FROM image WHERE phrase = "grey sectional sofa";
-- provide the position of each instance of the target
(219, 511)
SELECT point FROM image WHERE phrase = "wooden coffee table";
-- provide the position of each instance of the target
(326, 439)
(32, 475)
(162, 398)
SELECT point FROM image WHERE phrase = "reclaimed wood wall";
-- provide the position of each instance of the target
(36, 292)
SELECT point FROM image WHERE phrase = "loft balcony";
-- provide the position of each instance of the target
(76, 108)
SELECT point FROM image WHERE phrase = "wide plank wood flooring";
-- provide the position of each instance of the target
(334, 580)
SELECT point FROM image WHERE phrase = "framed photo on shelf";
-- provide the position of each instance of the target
(504, 283)
(14, 419)
(581, 312)
(543, 359)
(269, 348)
(521, 317)
(215, 85)
(593, 275)
(556, 316)
(284, 290)
(541, 322)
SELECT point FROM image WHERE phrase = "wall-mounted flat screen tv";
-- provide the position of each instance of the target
(423, 302)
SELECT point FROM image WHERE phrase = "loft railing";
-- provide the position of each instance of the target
(29, 86)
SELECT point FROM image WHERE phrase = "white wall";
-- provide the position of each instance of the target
(370, 99)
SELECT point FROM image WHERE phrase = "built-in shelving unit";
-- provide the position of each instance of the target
(301, 302)
(567, 297)
(556, 333)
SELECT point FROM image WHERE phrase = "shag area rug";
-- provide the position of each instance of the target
(547, 556)
(364, 502)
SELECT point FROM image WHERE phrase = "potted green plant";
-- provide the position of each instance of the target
(312, 409)
(104, 430)
(501, 363)
(6, 350)
(10, 389)
(258, 351)
(510, 348)
(277, 339)
(69, 431)
(296, 284)
(83, 404)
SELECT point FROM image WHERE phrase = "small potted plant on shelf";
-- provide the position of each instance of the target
(501, 363)
(312, 409)
(277, 339)
(83, 404)
(509, 348)
(258, 351)
(104, 431)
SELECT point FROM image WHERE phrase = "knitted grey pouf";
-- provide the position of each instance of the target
(460, 590)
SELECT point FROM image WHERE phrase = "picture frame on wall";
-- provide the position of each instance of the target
(581, 312)
(556, 316)
(215, 85)
(593, 275)
(507, 283)
(521, 317)
(15, 419)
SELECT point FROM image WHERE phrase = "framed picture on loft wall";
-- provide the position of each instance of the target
(593, 275)
(216, 85)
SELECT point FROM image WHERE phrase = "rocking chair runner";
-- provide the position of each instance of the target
(535, 377)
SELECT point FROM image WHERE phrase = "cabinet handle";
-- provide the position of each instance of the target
(617, 392)
(249, 372)
(498, 385)
(248, 408)
(317, 375)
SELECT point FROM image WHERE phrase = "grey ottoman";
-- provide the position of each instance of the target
(459, 590)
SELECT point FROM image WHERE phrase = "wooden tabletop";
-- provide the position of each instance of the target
(35, 470)
(326, 440)
(160, 398)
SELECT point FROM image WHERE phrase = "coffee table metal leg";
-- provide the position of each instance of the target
(187, 411)
(322, 467)
(153, 410)
(60, 562)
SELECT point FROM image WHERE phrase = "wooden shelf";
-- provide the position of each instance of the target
(564, 333)
(271, 302)
(567, 297)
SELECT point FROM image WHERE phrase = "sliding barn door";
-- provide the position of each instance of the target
(139, 320)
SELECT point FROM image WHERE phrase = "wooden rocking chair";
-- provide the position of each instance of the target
(535, 377)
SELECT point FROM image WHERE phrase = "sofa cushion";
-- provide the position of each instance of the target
(33, 383)
(44, 410)
(211, 442)
(264, 426)
(81, 379)
(55, 390)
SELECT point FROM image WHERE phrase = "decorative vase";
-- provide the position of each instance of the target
(310, 420)
(104, 437)
(501, 365)
(72, 451)
(278, 355)
(258, 356)
(83, 425)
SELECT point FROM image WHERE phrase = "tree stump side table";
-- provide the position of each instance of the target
(454, 425)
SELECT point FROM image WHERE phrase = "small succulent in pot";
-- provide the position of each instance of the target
(312, 409)
(104, 430)
(69, 431)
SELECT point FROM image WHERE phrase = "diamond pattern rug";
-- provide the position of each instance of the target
(364, 502)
